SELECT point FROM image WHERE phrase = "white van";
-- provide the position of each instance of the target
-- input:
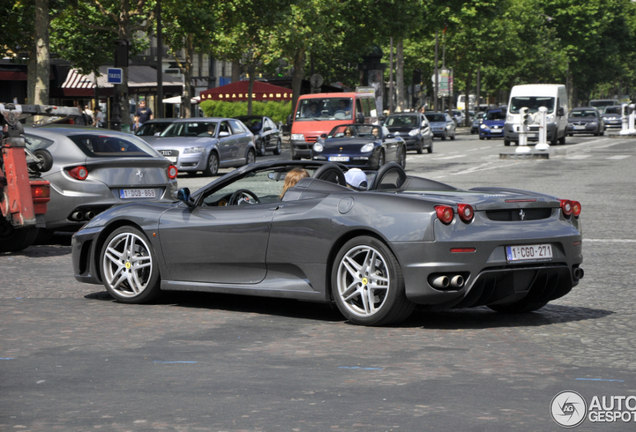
(533, 96)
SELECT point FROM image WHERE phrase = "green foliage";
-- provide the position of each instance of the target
(277, 111)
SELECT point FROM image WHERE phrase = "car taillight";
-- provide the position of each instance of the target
(79, 172)
(444, 213)
(40, 192)
(465, 212)
(576, 208)
(172, 172)
(566, 207)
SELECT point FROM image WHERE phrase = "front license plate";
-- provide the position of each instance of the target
(136, 193)
(496, 130)
(339, 158)
(579, 127)
(529, 252)
(172, 159)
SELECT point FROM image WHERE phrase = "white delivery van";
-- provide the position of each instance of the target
(533, 96)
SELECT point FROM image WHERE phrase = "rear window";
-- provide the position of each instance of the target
(495, 115)
(401, 121)
(112, 146)
(436, 117)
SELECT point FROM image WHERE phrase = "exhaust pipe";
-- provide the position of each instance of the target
(440, 282)
(457, 281)
(77, 216)
(89, 215)
(578, 273)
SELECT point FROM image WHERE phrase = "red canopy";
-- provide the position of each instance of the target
(237, 91)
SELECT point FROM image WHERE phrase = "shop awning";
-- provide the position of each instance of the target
(238, 91)
(177, 100)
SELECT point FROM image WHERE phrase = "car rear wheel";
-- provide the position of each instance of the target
(367, 283)
(380, 159)
(213, 164)
(278, 150)
(14, 240)
(518, 307)
(129, 267)
(402, 158)
(262, 148)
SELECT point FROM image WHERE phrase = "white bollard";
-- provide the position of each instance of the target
(632, 115)
(543, 130)
(625, 119)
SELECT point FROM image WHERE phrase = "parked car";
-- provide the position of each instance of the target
(94, 169)
(458, 116)
(267, 136)
(493, 124)
(477, 120)
(442, 125)
(613, 117)
(152, 129)
(206, 144)
(585, 120)
(375, 253)
(413, 128)
(361, 146)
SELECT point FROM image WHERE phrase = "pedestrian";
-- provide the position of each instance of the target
(89, 112)
(99, 118)
(143, 113)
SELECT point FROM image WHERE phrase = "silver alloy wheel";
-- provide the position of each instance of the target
(127, 265)
(363, 281)
(251, 158)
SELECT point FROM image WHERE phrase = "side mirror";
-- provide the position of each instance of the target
(223, 134)
(390, 136)
(359, 118)
(323, 136)
(289, 120)
(381, 119)
(183, 195)
(560, 112)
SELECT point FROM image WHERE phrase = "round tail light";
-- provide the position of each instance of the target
(172, 172)
(444, 213)
(79, 172)
(465, 212)
(576, 208)
(566, 207)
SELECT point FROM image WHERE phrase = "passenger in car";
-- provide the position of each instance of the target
(349, 133)
(356, 179)
(293, 177)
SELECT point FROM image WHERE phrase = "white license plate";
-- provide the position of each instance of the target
(339, 158)
(533, 135)
(172, 159)
(136, 193)
(528, 252)
(579, 127)
(496, 130)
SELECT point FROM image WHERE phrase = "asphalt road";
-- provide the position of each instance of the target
(71, 359)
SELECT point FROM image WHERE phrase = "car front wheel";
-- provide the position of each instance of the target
(129, 267)
(367, 283)
(278, 150)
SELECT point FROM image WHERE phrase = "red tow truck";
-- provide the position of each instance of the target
(23, 194)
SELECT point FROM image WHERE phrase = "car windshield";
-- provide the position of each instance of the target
(356, 131)
(613, 110)
(436, 117)
(495, 115)
(97, 145)
(324, 109)
(533, 103)
(583, 113)
(190, 129)
(254, 124)
(152, 129)
(408, 120)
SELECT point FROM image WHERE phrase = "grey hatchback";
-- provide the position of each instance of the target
(94, 169)
(206, 143)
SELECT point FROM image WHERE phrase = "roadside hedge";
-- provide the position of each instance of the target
(277, 111)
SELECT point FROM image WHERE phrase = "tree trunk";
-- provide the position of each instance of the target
(467, 104)
(399, 75)
(297, 78)
(43, 69)
(251, 69)
(186, 99)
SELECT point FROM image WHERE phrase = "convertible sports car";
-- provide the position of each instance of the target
(375, 253)
(360, 146)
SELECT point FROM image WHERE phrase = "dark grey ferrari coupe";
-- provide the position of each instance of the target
(375, 253)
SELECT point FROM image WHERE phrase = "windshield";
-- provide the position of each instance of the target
(533, 103)
(602, 103)
(359, 131)
(613, 110)
(190, 129)
(152, 129)
(495, 115)
(436, 117)
(95, 145)
(403, 120)
(324, 109)
(583, 113)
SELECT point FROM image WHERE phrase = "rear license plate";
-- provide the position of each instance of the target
(528, 252)
(339, 158)
(136, 193)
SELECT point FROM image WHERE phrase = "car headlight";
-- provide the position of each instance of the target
(414, 132)
(484, 127)
(592, 123)
(298, 137)
(510, 118)
(367, 148)
(550, 118)
(318, 147)
(448, 126)
(194, 150)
